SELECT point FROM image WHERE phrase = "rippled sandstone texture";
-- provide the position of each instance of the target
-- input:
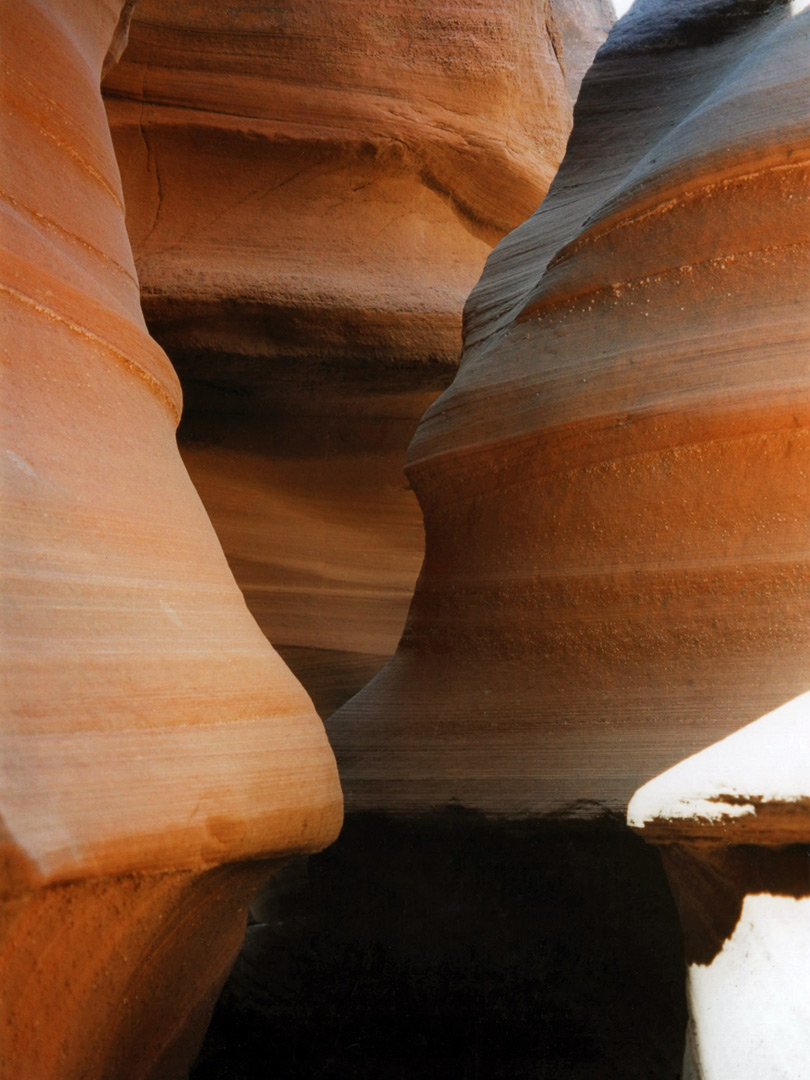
(616, 507)
(615, 502)
(615, 486)
(312, 189)
(157, 757)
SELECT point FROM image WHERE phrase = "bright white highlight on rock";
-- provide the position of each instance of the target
(21, 463)
(623, 6)
(753, 1000)
(767, 761)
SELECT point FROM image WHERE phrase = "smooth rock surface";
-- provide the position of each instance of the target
(320, 527)
(332, 167)
(149, 732)
(312, 190)
(116, 977)
(750, 1008)
(615, 493)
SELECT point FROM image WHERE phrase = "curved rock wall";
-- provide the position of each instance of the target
(312, 190)
(337, 170)
(321, 529)
(616, 574)
(614, 487)
(149, 731)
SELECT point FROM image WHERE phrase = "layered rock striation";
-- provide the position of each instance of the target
(616, 575)
(157, 757)
(338, 171)
(312, 190)
(615, 486)
(615, 504)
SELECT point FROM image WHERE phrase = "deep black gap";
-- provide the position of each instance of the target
(456, 946)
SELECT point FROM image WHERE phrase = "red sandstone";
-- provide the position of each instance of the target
(615, 486)
(157, 756)
(312, 190)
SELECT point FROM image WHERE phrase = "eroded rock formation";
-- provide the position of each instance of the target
(616, 575)
(615, 486)
(157, 757)
(312, 190)
(733, 823)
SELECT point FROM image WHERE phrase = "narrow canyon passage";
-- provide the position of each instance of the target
(451, 945)
(586, 612)
(615, 498)
(312, 191)
(405, 415)
(320, 526)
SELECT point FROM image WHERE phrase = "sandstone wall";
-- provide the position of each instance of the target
(614, 487)
(616, 575)
(312, 190)
(157, 757)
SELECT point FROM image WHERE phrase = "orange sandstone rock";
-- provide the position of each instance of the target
(155, 751)
(320, 527)
(339, 170)
(617, 570)
(312, 189)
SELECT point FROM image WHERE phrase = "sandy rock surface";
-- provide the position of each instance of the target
(149, 730)
(330, 166)
(312, 190)
(615, 486)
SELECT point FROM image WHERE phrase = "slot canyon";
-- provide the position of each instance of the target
(405, 552)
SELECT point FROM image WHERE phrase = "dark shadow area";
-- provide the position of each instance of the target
(711, 881)
(331, 676)
(456, 946)
(660, 28)
(215, 381)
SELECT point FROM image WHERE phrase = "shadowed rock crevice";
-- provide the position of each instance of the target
(710, 884)
(320, 526)
(450, 945)
(224, 383)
